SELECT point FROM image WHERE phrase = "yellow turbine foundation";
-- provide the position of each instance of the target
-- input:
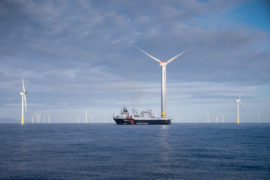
(238, 121)
(22, 121)
(163, 114)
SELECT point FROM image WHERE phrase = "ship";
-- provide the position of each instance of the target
(144, 118)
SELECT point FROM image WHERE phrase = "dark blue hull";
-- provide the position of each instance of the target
(119, 121)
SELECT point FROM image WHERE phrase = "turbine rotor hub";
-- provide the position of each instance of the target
(162, 63)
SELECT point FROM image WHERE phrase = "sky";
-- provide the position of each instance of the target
(77, 55)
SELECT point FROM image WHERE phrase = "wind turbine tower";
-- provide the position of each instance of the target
(208, 117)
(78, 119)
(238, 104)
(24, 106)
(163, 65)
(49, 119)
(33, 118)
(86, 116)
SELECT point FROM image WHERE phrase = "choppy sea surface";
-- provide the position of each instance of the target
(108, 151)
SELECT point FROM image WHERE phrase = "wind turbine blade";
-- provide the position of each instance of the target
(25, 105)
(154, 58)
(23, 85)
(241, 105)
(173, 58)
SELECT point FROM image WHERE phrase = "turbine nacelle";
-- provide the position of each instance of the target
(162, 63)
(239, 101)
(23, 93)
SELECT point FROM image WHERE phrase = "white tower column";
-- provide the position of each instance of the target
(86, 116)
(22, 119)
(237, 111)
(163, 90)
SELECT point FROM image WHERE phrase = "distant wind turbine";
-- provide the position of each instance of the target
(78, 119)
(85, 115)
(43, 118)
(49, 118)
(238, 103)
(163, 65)
(208, 117)
(24, 106)
(92, 117)
(33, 118)
(39, 117)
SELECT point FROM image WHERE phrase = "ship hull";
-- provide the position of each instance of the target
(161, 121)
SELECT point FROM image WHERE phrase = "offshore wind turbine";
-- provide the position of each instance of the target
(39, 117)
(163, 65)
(238, 104)
(24, 106)
(86, 116)
(92, 117)
(78, 118)
(33, 118)
(49, 118)
(208, 117)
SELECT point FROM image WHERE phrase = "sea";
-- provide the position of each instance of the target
(110, 151)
